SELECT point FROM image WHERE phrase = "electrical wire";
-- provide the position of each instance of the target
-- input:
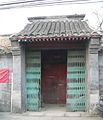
(21, 2)
(53, 1)
(32, 3)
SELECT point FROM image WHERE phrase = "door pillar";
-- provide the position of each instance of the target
(17, 78)
(93, 72)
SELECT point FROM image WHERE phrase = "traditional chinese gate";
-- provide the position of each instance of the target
(76, 80)
(33, 77)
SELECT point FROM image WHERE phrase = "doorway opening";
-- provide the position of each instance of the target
(53, 77)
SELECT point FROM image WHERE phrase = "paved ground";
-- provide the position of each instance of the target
(9, 116)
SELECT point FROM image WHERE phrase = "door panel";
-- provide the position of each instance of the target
(33, 76)
(54, 77)
(76, 80)
(54, 84)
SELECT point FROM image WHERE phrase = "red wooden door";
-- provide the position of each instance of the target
(54, 83)
(61, 86)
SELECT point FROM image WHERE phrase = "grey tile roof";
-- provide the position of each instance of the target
(72, 25)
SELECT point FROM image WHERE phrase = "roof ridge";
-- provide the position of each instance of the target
(61, 17)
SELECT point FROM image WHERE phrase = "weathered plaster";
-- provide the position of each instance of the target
(16, 81)
(93, 72)
(5, 88)
(16, 84)
(101, 72)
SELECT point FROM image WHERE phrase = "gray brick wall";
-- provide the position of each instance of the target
(101, 72)
(5, 88)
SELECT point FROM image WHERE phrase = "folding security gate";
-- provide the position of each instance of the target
(33, 76)
(76, 80)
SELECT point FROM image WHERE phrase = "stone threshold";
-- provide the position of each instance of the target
(52, 114)
(59, 114)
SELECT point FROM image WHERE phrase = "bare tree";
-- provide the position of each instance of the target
(99, 27)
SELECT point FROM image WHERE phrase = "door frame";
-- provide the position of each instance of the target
(64, 60)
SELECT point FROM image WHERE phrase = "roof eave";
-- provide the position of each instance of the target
(54, 38)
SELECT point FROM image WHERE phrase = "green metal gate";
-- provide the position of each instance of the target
(33, 76)
(76, 80)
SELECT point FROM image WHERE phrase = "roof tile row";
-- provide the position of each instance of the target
(56, 28)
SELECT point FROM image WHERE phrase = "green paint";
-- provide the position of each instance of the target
(76, 84)
(33, 76)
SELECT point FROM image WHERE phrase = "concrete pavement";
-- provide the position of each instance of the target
(29, 116)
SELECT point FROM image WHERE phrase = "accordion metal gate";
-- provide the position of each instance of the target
(33, 76)
(76, 80)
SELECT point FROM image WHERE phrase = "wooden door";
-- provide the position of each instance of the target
(54, 82)
(61, 86)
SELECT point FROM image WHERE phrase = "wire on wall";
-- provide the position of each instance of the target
(36, 3)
